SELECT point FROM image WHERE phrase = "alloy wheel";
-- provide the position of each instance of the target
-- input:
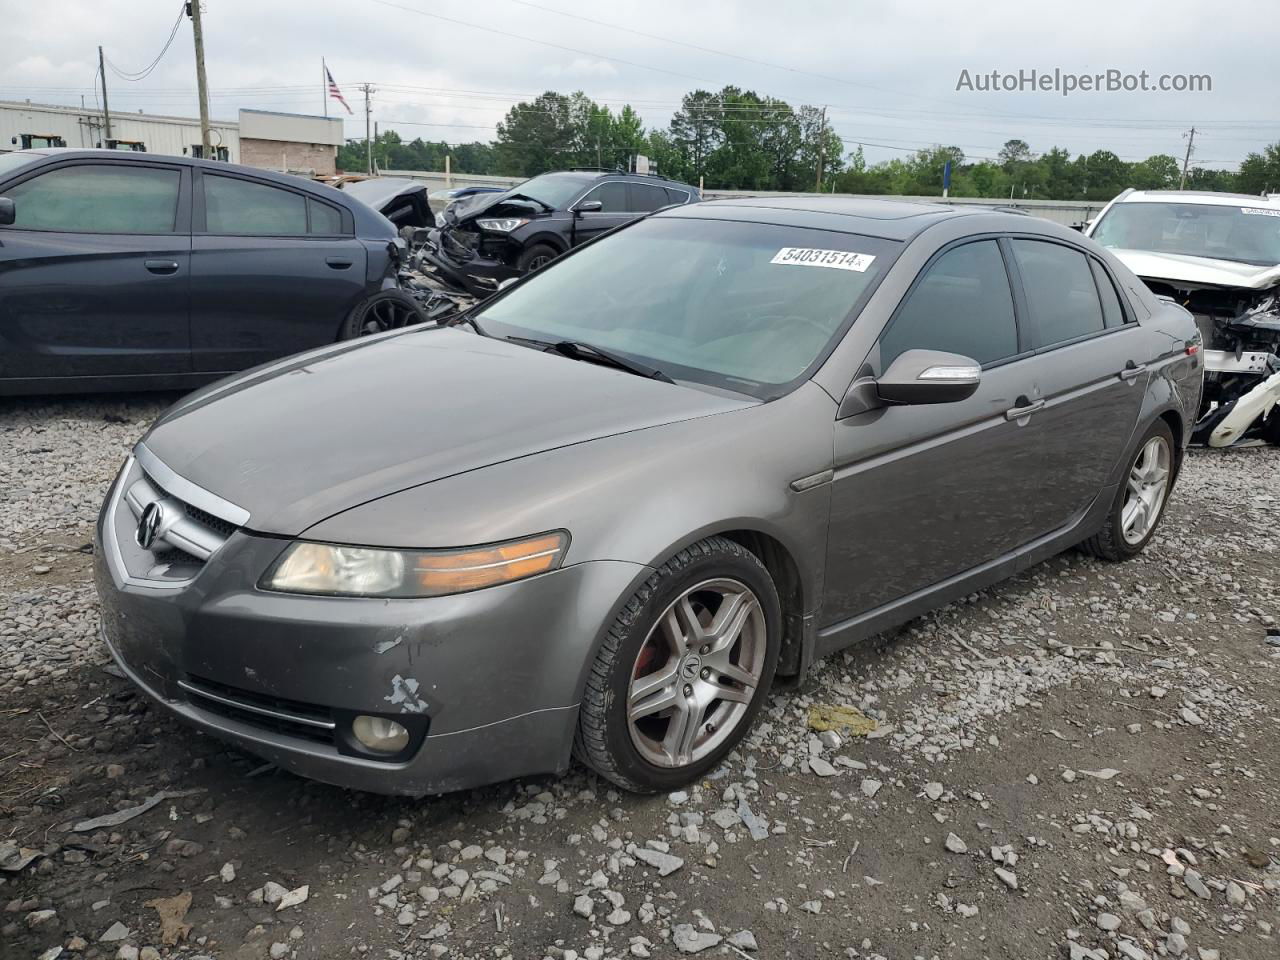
(537, 263)
(1148, 484)
(387, 313)
(696, 673)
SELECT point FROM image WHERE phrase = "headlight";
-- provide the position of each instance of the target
(322, 568)
(501, 225)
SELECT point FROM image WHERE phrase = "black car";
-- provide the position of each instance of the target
(488, 238)
(136, 271)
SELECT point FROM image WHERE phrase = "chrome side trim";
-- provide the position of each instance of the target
(814, 480)
(187, 491)
(253, 708)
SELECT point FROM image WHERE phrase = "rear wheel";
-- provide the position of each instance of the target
(385, 310)
(537, 257)
(1140, 501)
(683, 671)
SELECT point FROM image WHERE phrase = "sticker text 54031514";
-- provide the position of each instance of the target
(813, 257)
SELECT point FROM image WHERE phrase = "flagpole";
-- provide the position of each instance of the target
(324, 86)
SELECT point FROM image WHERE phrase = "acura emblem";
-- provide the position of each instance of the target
(149, 525)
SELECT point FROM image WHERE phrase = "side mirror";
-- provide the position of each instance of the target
(929, 376)
(588, 206)
(8, 212)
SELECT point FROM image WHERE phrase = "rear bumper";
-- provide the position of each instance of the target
(488, 682)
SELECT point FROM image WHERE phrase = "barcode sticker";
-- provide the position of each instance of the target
(813, 257)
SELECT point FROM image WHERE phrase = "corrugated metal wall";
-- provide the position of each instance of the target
(169, 136)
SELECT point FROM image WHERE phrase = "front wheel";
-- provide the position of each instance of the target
(537, 257)
(683, 671)
(1141, 499)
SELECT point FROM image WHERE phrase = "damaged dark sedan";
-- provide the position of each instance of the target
(599, 526)
(487, 238)
(1217, 254)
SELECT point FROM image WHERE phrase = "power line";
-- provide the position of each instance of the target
(146, 71)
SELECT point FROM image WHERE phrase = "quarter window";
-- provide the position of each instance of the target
(325, 220)
(105, 198)
(612, 196)
(961, 305)
(240, 208)
(1060, 291)
(646, 198)
(1112, 313)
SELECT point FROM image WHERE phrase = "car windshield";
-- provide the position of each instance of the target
(746, 307)
(1244, 233)
(10, 162)
(553, 189)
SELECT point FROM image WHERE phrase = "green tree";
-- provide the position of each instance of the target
(1259, 172)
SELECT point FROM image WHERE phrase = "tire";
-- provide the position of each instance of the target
(1117, 540)
(708, 574)
(1271, 427)
(385, 310)
(536, 257)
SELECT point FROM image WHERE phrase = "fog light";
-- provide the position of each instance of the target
(380, 734)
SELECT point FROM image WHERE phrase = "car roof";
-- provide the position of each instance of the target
(214, 166)
(1207, 197)
(890, 219)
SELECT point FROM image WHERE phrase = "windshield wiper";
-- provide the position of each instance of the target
(578, 350)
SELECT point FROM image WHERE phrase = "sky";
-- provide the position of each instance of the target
(887, 72)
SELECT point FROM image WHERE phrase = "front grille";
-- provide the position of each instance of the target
(216, 524)
(292, 718)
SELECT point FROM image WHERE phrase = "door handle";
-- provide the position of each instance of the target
(338, 263)
(161, 267)
(1026, 409)
(1132, 370)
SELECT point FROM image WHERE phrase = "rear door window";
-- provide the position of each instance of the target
(961, 305)
(612, 196)
(99, 198)
(1060, 291)
(243, 208)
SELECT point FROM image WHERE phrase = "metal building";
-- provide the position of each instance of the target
(288, 142)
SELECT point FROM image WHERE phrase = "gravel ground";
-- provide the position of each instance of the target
(1079, 763)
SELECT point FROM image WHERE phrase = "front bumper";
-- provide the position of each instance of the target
(479, 275)
(488, 681)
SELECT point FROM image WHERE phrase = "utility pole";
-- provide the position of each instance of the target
(202, 86)
(368, 115)
(1186, 161)
(822, 149)
(106, 111)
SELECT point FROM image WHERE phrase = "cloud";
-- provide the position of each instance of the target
(581, 67)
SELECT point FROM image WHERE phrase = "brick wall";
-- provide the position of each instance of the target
(268, 154)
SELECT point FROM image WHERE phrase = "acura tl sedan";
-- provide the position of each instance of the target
(604, 525)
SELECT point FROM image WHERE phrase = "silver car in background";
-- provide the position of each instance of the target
(601, 516)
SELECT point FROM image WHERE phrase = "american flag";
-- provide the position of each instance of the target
(334, 92)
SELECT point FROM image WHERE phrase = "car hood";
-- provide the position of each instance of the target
(478, 203)
(1198, 271)
(303, 439)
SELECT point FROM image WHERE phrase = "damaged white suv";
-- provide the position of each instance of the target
(1217, 254)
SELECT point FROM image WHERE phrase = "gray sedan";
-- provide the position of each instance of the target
(634, 490)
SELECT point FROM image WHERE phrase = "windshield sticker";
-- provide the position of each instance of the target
(812, 257)
(1257, 211)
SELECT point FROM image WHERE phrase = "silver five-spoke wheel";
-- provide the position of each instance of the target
(696, 673)
(1148, 484)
